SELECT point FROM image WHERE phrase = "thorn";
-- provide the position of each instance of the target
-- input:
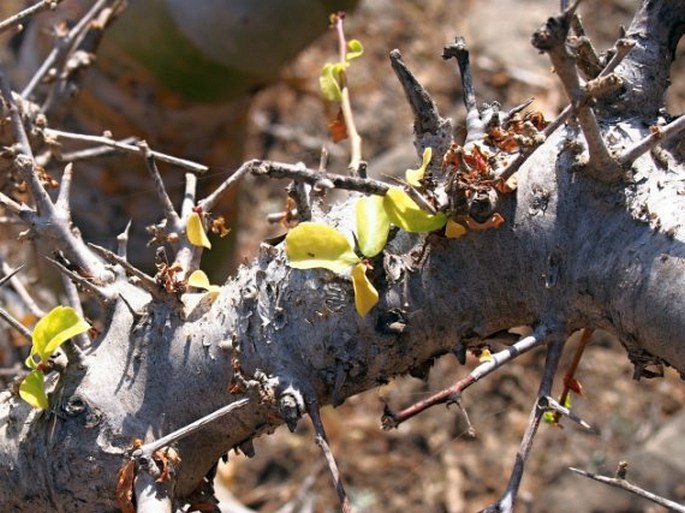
(82, 281)
(427, 119)
(146, 282)
(14, 323)
(9, 276)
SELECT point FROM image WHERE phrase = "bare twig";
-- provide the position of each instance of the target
(322, 442)
(474, 124)
(4, 314)
(392, 420)
(658, 136)
(302, 174)
(618, 482)
(18, 18)
(94, 152)
(71, 349)
(551, 38)
(173, 219)
(146, 282)
(23, 330)
(20, 289)
(80, 55)
(84, 282)
(149, 448)
(124, 145)
(506, 503)
(62, 47)
(210, 201)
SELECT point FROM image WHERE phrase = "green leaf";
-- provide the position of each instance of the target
(196, 231)
(330, 81)
(550, 418)
(311, 245)
(365, 294)
(60, 324)
(373, 225)
(32, 390)
(414, 176)
(406, 214)
(356, 49)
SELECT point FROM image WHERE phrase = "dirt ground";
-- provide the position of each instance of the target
(431, 464)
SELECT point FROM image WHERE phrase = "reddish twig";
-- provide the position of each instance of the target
(392, 420)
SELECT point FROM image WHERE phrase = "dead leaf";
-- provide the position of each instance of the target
(338, 128)
(124, 494)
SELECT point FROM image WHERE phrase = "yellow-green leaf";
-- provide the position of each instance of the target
(414, 176)
(365, 294)
(454, 230)
(373, 225)
(196, 231)
(32, 390)
(356, 49)
(199, 280)
(311, 245)
(406, 214)
(60, 324)
(330, 81)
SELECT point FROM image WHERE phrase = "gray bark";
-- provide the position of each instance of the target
(572, 253)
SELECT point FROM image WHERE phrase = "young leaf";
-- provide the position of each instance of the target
(199, 280)
(330, 81)
(414, 176)
(196, 232)
(365, 294)
(32, 390)
(406, 214)
(549, 417)
(356, 49)
(60, 324)
(373, 225)
(311, 245)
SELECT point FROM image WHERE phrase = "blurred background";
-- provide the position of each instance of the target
(222, 81)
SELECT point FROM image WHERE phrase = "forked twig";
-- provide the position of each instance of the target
(127, 145)
(506, 503)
